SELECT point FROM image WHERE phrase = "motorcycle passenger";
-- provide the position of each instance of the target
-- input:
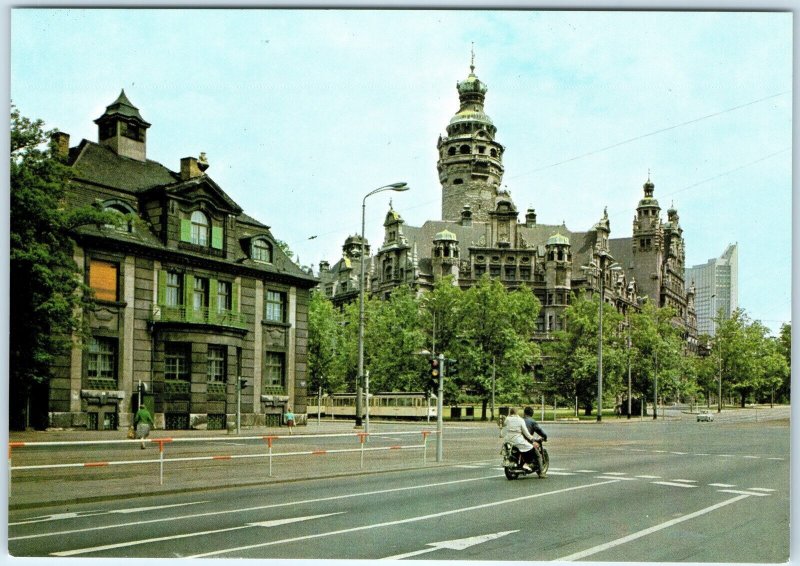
(533, 427)
(516, 433)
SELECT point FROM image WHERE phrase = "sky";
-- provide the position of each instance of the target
(303, 112)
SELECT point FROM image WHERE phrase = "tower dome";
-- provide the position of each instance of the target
(557, 239)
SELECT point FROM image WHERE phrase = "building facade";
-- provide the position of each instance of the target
(198, 310)
(717, 284)
(481, 231)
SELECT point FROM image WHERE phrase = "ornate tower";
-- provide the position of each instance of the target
(558, 279)
(123, 129)
(470, 160)
(673, 290)
(445, 256)
(648, 244)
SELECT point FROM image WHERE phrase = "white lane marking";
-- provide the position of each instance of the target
(760, 489)
(774, 458)
(470, 466)
(645, 532)
(753, 457)
(62, 516)
(725, 455)
(614, 473)
(685, 481)
(458, 544)
(587, 471)
(702, 454)
(660, 451)
(274, 523)
(650, 477)
(680, 453)
(401, 521)
(256, 508)
(757, 494)
(673, 484)
(552, 473)
(614, 478)
(722, 484)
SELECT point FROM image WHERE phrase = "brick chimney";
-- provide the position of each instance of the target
(61, 144)
(189, 168)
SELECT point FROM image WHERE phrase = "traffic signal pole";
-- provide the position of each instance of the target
(439, 418)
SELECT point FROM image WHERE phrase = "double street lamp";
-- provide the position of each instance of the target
(361, 284)
(599, 269)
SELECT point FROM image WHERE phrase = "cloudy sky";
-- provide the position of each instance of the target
(303, 112)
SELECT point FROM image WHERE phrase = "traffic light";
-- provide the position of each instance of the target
(452, 367)
(435, 368)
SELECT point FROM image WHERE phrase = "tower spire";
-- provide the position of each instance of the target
(472, 58)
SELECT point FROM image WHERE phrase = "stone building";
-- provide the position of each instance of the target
(192, 294)
(481, 232)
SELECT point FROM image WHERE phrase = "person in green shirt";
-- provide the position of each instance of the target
(289, 417)
(143, 421)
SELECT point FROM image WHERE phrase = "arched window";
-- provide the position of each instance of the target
(458, 181)
(464, 149)
(451, 151)
(199, 228)
(125, 224)
(261, 251)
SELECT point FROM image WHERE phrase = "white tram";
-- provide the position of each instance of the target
(381, 405)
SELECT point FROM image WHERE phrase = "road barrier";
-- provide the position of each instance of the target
(162, 442)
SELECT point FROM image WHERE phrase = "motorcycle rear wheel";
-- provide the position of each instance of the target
(509, 474)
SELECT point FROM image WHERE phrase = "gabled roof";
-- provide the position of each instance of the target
(190, 187)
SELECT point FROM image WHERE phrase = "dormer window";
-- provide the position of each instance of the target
(261, 250)
(199, 228)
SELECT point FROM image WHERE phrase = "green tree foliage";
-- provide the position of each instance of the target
(571, 358)
(784, 345)
(494, 337)
(324, 335)
(45, 284)
(392, 338)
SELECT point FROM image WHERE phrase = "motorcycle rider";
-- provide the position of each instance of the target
(516, 432)
(533, 427)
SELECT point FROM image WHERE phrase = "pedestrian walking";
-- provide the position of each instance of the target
(143, 421)
(289, 418)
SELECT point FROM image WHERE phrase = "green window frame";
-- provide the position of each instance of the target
(275, 304)
(274, 370)
(216, 364)
(101, 358)
(176, 361)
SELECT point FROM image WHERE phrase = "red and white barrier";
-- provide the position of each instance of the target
(270, 440)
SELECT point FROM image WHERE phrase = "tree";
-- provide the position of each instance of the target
(392, 338)
(571, 358)
(48, 295)
(494, 338)
(324, 335)
(784, 346)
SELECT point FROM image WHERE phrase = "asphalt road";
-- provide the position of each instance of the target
(666, 491)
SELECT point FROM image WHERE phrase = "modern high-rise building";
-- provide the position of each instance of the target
(717, 288)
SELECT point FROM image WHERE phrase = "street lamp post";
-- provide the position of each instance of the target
(393, 187)
(599, 270)
(719, 352)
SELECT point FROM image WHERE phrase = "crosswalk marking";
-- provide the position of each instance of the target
(673, 484)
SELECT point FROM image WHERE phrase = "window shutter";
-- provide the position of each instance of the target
(213, 300)
(216, 237)
(162, 287)
(188, 290)
(186, 230)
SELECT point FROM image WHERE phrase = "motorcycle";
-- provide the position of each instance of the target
(513, 462)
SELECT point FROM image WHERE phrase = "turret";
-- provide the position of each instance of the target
(122, 129)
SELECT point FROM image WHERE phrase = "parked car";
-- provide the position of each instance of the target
(705, 417)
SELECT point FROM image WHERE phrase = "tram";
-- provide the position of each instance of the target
(389, 405)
